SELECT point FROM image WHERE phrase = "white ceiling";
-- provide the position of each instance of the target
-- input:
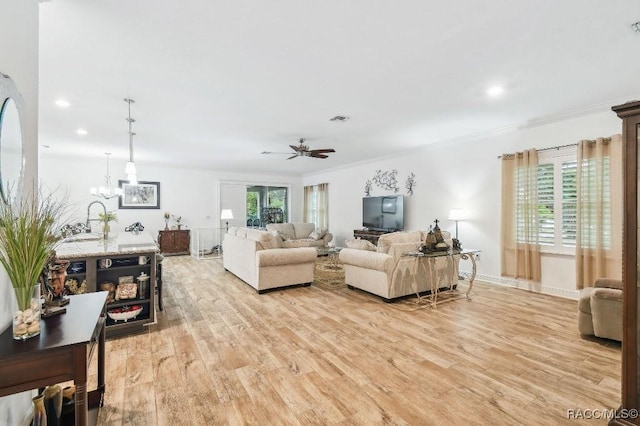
(218, 82)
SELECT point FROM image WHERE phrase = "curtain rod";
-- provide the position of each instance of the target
(548, 149)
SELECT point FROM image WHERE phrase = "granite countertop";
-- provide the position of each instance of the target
(88, 245)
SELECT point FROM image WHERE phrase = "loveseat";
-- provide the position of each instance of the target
(384, 271)
(299, 234)
(256, 257)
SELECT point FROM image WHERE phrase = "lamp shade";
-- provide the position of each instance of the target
(226, 214)
(456, 214)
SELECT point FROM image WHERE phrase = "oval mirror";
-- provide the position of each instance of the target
(11, 146)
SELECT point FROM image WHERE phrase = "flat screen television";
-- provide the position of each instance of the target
(385, 213)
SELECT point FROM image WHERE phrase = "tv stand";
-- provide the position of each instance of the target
(369, 235)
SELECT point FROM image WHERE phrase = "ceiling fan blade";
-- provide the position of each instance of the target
(323, 150)
(293, 156)
(317, 155)
(296, 148)
(274, 152)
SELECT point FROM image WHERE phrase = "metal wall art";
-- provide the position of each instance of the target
(410, 183)
(388, 181)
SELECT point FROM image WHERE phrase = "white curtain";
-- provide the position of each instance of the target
(308, 211)
(599, 212)
(322, 220)
(316, 205)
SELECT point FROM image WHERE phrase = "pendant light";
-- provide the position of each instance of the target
(107, 191)
(130, 169)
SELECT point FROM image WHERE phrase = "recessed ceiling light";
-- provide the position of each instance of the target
(81, 132)
(46, 146)
(495, 91)
(62, 103)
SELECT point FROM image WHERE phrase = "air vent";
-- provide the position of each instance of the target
(339, 118)
(636, 27)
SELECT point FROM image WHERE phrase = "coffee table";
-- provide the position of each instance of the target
(333, 253)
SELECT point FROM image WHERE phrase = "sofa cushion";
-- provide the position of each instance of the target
(318, 234)
(286, 229)
(385, 240)
(303, 230)
(302, 242)
(360, 244)
(266, 239)
(280, 235)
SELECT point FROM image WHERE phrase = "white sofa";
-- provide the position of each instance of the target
(387, 273)
(299, 234)
(255, 256)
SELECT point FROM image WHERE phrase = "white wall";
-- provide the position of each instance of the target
(190, 193)
(463, 174)
(19, 60)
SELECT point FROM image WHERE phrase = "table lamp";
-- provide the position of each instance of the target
(226, 214)
(456, 215)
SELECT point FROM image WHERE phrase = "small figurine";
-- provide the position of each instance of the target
(440, 244)
(54, 277)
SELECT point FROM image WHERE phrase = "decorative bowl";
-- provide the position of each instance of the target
(125, 313)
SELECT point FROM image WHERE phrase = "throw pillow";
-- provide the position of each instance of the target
(360, 244)
(318, 234)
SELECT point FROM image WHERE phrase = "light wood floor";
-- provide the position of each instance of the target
(222, 354)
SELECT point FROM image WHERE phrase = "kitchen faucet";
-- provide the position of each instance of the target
(88, 224)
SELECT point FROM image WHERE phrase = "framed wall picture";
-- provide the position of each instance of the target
(143, 195)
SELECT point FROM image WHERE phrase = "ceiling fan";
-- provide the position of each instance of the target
(302, 150)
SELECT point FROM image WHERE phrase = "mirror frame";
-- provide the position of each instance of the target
(8, 90)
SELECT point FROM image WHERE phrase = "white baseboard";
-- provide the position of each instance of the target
(525, 285)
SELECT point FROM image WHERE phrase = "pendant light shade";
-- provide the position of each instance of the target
(130, 168)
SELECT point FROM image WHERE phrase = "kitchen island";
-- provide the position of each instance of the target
(125, 266)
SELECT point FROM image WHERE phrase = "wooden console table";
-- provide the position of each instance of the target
(371, 236)
(60, 353)
(174, 241)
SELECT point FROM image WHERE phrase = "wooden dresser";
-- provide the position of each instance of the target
(174, 241)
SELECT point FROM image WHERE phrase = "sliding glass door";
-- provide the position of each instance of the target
(267, 204)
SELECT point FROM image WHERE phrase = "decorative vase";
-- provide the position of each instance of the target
(179, 227)
(39, 412)
(68, 403)
(53, 404)
(106, 228)
(26, 312)
(166, 224)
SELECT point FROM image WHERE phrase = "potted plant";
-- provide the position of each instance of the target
(105, 219)
(28, 237)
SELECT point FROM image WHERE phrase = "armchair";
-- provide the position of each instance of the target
(600, 309)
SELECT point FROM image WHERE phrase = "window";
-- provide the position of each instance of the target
(556, 201)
